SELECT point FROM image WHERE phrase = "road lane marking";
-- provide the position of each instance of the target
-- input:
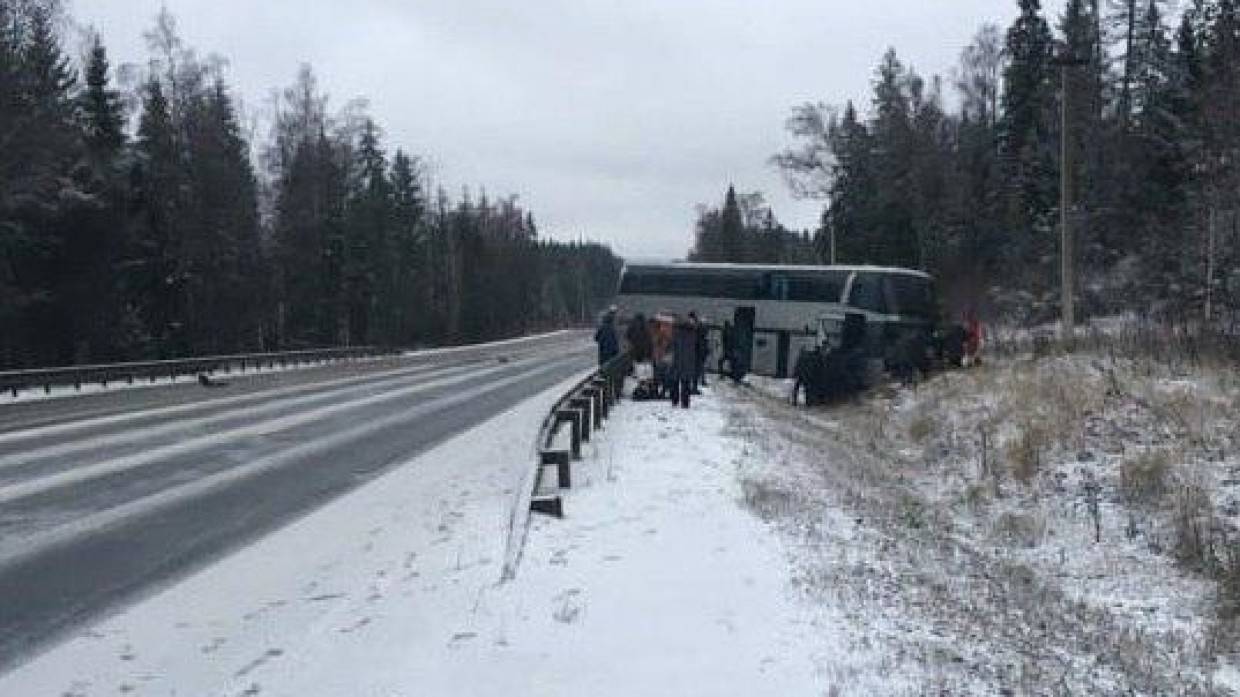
(33, 487)
(107, 518)
(27, 457)
(483, 352)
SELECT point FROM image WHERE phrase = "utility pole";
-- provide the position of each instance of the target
(1211, 237)
(1067, 243)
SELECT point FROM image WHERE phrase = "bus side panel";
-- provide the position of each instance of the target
(784, 359)
(765, 353)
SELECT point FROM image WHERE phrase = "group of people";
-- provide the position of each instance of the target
(674, 348)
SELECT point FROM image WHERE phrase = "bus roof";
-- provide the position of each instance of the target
(694, 266)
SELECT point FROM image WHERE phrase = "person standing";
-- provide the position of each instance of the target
(662, 353)
(605, 337)
(684, 361)
(639, 340)
(703, 351)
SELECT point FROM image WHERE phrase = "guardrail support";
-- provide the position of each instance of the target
(604, 390)
(583, 404)
(573, 418)
(560, 460)
(548, 505)
(596, 406)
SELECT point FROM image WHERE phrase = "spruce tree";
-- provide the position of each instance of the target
(731, 229)
(102, 112)
(155, 277)
(1026, 135)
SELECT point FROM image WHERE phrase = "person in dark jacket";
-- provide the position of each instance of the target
(638, 338)
(729, 355)
(684, 361)
(605, 337)
(703, 350)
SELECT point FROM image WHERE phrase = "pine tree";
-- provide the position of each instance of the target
(102, 112)
(1028, 88)
(221, 259)
(95, 233)
(731, 229)
(368, 271)
(155, 280)
(43, 190)
(411, 254)
(1026, 135)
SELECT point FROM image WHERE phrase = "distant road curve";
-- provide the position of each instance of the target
(109, 496)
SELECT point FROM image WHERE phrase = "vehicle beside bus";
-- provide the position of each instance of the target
(774, 312)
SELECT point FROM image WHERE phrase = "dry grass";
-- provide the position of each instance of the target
(1227, 603)
(921, 427)
(1025, 453)
(1020, 529)
(1049, 402)
(965, 555)
(1194, 527)
(1143, 477)
(767, 499)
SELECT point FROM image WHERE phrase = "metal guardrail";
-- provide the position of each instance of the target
(14, 382)
(582, 410)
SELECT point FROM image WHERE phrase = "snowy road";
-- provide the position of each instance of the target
(107, 497)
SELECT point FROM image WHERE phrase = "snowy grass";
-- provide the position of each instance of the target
(1058, 524)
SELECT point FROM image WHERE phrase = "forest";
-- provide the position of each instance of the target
(961, 175)
(147, 221)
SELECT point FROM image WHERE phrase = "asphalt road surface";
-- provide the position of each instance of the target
(108, 497)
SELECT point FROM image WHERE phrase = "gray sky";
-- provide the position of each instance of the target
(610, 119)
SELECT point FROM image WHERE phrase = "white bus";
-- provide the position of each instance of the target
(776, 311)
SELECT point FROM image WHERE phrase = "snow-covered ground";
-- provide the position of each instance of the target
(1002, 530)
(1061, 525)
(657, 582)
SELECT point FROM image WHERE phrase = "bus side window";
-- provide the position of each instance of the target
(777, 287)
(867, 294)
(911, 296)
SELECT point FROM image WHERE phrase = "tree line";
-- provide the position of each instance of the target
(967, 184)
(744, 230)
(146, 223)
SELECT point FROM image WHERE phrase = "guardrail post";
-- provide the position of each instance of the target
(604, 389)
(583, 405)
(560, 459)
(596, 408)
(548, 505)
(573, 418)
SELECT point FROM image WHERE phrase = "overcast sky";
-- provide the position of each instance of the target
(610, 119)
